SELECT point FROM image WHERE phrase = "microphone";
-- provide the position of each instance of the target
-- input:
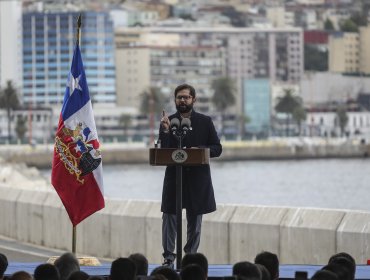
(186, 124)
(174, 124)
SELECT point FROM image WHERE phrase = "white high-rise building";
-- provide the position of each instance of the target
(11, 43)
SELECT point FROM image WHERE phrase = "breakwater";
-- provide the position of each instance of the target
(41, 155)
(231, 234)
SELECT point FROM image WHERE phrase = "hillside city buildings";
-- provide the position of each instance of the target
(131, 49)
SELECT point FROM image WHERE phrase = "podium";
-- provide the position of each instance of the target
(179, 158)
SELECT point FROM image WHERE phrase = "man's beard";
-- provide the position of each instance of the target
(184, 108)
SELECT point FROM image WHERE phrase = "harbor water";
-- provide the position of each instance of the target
(322, 183)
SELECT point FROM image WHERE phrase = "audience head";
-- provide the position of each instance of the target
(95, 277)
(167, 272)
(3, 265)
(324, 275)
(342, 272)
(21, 275)
(346, 260)
(78, 275)
(122, 269)
(270, 261)
(345, 255)
(46, 271)
(195, 258)
(247, 270)
(157, 277)
(141, 263)
(265, 274)
(193, 272)
(66, 265)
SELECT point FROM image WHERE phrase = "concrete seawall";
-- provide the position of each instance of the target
(231, 234)
(113, 153)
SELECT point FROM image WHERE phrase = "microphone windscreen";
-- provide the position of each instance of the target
(186, 123)
(175, 123)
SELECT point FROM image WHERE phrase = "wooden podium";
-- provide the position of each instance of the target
(168, 156)
(179, 158)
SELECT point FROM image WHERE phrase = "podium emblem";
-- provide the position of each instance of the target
(179, 156)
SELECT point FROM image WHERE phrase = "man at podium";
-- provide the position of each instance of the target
(197, 190)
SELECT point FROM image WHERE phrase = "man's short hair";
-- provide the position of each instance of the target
(46, 271)
(247, 270)
(167, 272)
(324, 275)
(270, 261)
(21, 275)
(345, 260)
(141, 263)
(66, 265)
(78, 275)
(265, 274)
(122, 269)
(193, 272)
(342, 272)
(195, 258)
(3, 265)
(185, 86)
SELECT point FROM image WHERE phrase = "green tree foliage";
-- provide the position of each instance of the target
(125, 122)
(328, 25)
(152, 100)
(243, 120)
(359, 18)
(299, 114)
(314, 59)
(223, 96)
(342, 119)
(349, 26)
(21, 127)
(9, 101)
(287, 104)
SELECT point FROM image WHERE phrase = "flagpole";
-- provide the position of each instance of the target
(78, 37)
(74, 240)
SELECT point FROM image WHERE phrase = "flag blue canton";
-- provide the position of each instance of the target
(77, 91)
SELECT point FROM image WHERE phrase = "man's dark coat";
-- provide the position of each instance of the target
(197, 195)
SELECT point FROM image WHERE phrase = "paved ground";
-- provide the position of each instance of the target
(24, 252)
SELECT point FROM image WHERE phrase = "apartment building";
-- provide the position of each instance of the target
(11, 43)
(344, 52)
(275, 54)
(165, 67)
(48, 44)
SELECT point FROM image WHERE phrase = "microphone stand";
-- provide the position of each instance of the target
(179, 134)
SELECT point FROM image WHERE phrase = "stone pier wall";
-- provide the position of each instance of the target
(231, 234)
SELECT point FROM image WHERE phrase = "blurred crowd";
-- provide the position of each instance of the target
(194, 266)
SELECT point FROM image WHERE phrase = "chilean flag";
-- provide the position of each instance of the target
(77, 168)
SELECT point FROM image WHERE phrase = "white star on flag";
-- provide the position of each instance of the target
(73, 83)
(77, 148)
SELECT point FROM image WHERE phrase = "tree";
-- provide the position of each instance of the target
(349, 26)
(342, 119)
(328, 25)
(299, 115)
(125, 122)
(359, 18)
(223, 96)
(20, 127)
(9, 101)
(152, 100)
(243, 120)
(315, 59)
(287, 104)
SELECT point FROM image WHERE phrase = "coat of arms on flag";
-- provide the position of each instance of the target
(77, 163)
